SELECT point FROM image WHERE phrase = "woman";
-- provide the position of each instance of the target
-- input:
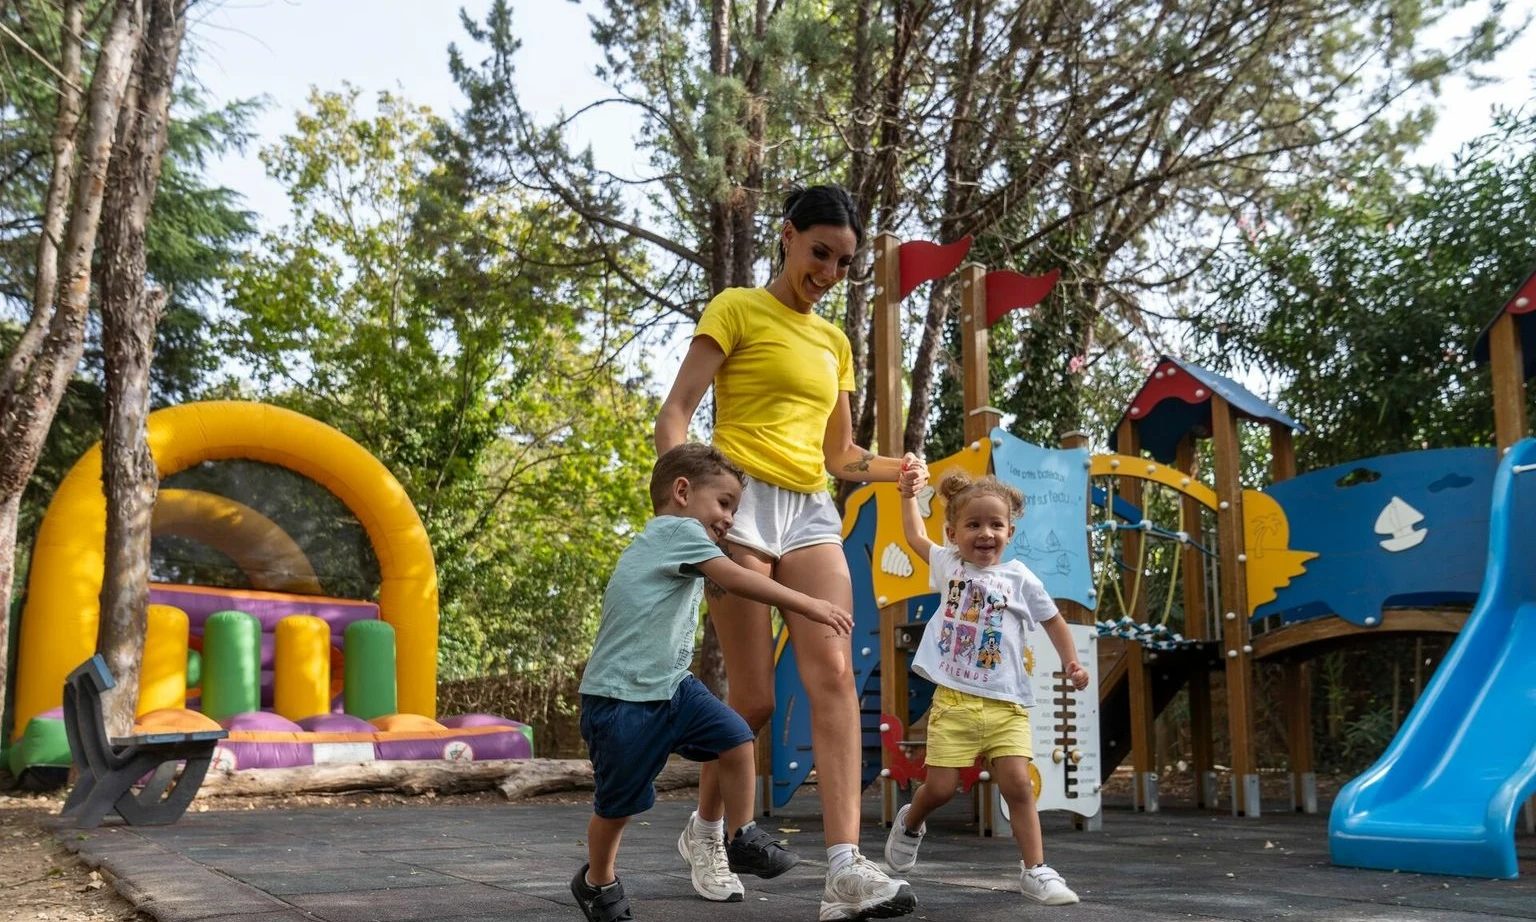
(782, 376)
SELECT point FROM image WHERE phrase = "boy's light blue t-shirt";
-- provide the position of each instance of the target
(650, 613)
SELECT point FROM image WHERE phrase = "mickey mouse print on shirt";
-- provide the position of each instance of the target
(976, 641)
(969, 638)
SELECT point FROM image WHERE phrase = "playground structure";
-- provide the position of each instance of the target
(297, 677)
(1388, 546)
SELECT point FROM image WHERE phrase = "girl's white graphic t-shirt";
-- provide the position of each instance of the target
(975, 642)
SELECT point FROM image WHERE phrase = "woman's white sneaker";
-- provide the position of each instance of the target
(711, 869)
(1043, 885)
(860, 890)
(901, 845)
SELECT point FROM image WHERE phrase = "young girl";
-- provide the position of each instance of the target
(974, 650)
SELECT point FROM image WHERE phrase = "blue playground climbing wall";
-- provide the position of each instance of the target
(1404, 530)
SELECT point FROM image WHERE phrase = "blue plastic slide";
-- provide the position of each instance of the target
(1444, 797)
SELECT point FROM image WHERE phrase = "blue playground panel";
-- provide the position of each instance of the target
(1416, 534)
(1444, 796)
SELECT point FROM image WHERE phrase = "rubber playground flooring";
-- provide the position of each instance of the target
(476, 863)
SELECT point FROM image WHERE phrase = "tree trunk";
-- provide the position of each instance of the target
(860, 162)
(749, 189)
(712, 662)
(129, 318)
(517, 778)
(28, 406)
(960, 173)
(886, 180)
(719, 204)
(45, 285)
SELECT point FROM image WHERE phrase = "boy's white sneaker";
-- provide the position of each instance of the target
(1044, 885)
(711, 869)
(901, 845)
(860, 890)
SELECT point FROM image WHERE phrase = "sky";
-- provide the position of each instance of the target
(279, 49)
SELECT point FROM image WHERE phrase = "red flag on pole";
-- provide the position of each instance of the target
(1008, 291)
(922, 261)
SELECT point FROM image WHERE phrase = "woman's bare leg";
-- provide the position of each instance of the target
(745, 631)
(826, 670)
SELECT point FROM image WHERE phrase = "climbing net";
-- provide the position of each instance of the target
(1114, 571)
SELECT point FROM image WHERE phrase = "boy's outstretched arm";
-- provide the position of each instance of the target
(1061, 639)
(738, 580)
(914, 476)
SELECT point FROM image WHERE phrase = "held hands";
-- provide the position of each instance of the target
(1078, 676)
(823, 612)
(914, 475)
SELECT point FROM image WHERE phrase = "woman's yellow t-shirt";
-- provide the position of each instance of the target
(777, 387)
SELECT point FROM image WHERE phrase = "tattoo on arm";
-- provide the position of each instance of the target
(861, 465)
(713, 589)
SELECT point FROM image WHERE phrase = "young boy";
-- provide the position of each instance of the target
(639, 704)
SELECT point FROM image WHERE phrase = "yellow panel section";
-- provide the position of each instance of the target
(1266, 540)
(265, 553)
(163, 671)
(899, 574)
(58, 625)
(1266, 532)
(1143, 469)
(301, 681)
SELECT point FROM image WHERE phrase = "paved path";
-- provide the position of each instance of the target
(476, 863)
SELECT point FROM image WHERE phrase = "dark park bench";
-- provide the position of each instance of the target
(136, 776)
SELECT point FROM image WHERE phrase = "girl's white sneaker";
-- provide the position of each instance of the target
(901, 845)
(1044, 885)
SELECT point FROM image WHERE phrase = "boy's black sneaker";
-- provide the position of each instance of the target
(608, 904)
(755, 852)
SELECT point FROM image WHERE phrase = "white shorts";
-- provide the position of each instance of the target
(775, 521)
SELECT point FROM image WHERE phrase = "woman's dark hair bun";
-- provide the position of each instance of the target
(815, 206)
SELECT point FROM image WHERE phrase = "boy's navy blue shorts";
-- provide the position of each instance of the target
(629, 742)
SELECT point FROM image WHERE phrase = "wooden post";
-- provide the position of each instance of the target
(1234, 607)
(1078, 614)
(886, 357)
(1191, 560)
(980, 417)
(1297, 687)
(1138, 672)
(1192, 565)
(1298, 731)
(1508, 367)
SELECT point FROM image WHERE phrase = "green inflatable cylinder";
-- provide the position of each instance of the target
(194, 668)
(368, 685)
(231, 664)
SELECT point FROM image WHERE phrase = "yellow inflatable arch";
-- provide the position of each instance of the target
(59, 622)
(265, 553)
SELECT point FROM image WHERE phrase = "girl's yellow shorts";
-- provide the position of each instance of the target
(962, 727)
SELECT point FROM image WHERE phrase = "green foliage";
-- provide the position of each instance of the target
(452, 335)
(194, 229)
(1363, 300)
(192, 236)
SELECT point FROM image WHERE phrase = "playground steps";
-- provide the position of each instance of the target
(1170, 674)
